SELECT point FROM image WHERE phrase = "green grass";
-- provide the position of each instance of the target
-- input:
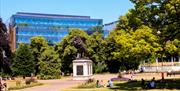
(24, 86)
(87, 85)
(136, 85)
(168, 84)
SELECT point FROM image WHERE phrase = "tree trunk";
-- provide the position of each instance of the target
(172, 59)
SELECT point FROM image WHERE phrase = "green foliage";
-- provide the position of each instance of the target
(66, 51)
(159, 15)
(87, 85)
(50, 63)
(173, 47)
(95, 29)
(30, 80)
(24, 86)
(23, 63)
(47, 77)
(169, 84)
(18, 82)
(134, 47)
(96, 52)
(37, 45)
(27, 81)
(100, 67)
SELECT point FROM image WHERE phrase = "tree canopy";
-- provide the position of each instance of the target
(23, 63)
(160, 15)
(49, 64)
(37, 45)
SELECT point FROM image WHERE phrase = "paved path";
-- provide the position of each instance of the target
(54, 85)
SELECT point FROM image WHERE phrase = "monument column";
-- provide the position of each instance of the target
(74, 69)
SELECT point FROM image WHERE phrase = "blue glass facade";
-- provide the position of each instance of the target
(52, 27)
(108, 27)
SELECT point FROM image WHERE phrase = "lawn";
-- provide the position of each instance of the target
(166, 85)
(20, 83)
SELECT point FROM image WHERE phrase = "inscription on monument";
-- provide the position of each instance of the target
(80, 70)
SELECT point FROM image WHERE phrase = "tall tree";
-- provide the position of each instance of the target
(23, 64)
(110, 47)
(49, 64)
(5, 50)
(160, 15)
(37, 45)
(96, 51)
(135, 46)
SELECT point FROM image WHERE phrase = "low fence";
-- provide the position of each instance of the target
(161, 68)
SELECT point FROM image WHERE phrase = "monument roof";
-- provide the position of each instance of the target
(82, 60)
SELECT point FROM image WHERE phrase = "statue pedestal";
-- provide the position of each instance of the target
(82, 69)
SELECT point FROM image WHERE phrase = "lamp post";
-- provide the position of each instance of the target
(162, 73)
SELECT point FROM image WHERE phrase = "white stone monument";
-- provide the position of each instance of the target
(82, 69)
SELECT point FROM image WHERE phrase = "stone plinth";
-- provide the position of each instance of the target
(82, 69)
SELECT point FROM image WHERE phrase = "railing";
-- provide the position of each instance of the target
(161, 68)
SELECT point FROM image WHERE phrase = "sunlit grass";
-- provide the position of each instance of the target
(167, 85)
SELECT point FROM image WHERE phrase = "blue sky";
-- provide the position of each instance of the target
(108, 10)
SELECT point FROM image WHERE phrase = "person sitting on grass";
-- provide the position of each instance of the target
(142, 82)
(110, 83)
(144, 85)
(99, 84)
(152, 84)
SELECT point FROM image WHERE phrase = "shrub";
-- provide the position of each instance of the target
(24, 86)
(28, 81)
(90, 80)
(33, 79)
(18, 82)
(88, 84)
(100, 67)
(120, 75)
(46, 77)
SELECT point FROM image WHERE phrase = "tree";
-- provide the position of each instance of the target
(66, 51)
(160, 15)
(111, 46)
(23, 64)
(95, 29)
(135, 46)
(37, 45)
(49, 64)
(5, 50)
(96, 48)
(172, 48)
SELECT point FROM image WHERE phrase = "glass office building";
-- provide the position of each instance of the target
(108, 27)
(52, 26)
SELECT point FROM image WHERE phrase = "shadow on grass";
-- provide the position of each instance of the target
(136, 85)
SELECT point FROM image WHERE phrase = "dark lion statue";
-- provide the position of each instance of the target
(78, 43)
(5, 51)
